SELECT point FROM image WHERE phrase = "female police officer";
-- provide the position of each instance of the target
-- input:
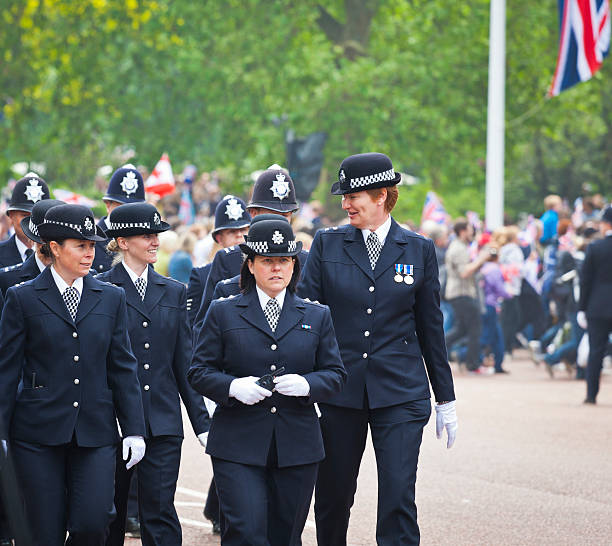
(161, 340)
(262, 442)
(381, 284)
(66, 375)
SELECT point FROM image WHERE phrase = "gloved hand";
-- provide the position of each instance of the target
(137, 446)
(581, 320)
(292, 384)
(245, 390)
(446, 418)
(203, 439)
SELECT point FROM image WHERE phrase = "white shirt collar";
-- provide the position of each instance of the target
(133, 276)
(381, 232)
(62, 284)
(39, 263)
(21, 248)
(264, 298)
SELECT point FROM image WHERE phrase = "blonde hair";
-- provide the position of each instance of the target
(551, 200)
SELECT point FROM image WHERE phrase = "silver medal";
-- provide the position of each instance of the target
(398, 278)
(408, 279)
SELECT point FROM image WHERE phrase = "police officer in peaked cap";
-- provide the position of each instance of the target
(67, 374)
(160, 337)
(231, 225)
(273, 193)
(28, 191)
(265, 436)
(381, 284)
(36, 263)
(125, 186)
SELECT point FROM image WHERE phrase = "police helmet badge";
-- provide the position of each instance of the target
(234, 210)
(34, 191)
(156, 219)
(88, 224)
(277, 238)
(280, 187)
(129, 184)
(342, 176)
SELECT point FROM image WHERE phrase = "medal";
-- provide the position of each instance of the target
(398, 277)
(408, 272)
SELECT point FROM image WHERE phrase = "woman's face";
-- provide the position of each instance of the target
(272, 273)
(363, 211)
(141, 248)
(74, 257)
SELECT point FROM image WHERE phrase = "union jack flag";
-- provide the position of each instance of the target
(584, 42)
(433, 209)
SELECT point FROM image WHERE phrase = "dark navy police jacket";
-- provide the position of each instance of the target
(9, 253)
(385, 329)
(60, 378)
(236, 341)
(161, 340)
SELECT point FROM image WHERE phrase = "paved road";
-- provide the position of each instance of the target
(532, 465)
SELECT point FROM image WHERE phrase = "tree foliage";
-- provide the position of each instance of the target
(82, 79)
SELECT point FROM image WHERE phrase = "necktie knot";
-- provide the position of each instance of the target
(272, 312)
(373, 246)
(141, 287)
(28, 253)
(71, 299)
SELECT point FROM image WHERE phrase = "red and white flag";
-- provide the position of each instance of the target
(161, 180)
(72, 198)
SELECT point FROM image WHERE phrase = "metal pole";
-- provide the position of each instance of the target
(494, 205)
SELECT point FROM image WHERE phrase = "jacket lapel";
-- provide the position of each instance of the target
(253, 312)
(355, 247)
(155, 289)
(91, 296)
(391, 250)
(29, 269)
(291, 314)
(119, 277)
(49, 294)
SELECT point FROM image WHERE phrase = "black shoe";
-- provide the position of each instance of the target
(216, 527)
(6, 542)
(132, 528)
(501, 371)
(588, 400)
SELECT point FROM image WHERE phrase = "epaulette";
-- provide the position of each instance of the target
(10, 268)
(315, 302)
(229, 249)
(189, 302)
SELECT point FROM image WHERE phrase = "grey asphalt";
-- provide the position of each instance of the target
(531, 465)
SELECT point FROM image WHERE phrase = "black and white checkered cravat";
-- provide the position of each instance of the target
(71, 298)
(141, 286)
(272, 312)
(374, 247)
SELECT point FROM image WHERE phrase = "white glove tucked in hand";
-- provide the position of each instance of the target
(203, 439)
(292, 384)
(581, 320)
(245, 390)
(137, 446)
(446, 418)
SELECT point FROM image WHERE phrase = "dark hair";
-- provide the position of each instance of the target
(247, 279)
(45, 249)
(461, 224)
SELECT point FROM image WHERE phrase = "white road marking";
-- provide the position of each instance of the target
(199, 504)
(195, 523)
(191, 492)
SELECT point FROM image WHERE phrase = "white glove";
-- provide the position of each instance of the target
(292, 384)
(581, 320)
(137, 446)
(446, 418)
(245, 390)
(203, 439)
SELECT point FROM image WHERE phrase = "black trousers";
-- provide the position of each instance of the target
(66, 487)
(466, 323)
(396, 435)
(598, 330)
(157, 475)
(211, 508)
(263, 505)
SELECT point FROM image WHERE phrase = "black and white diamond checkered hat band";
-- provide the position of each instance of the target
(365, 172)
(271, 237)
(31, 223)
(135, 219)
(70, 222)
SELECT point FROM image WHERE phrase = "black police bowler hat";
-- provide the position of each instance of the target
(365, 172)
(231, 213)
(70, 222)
(274, 190)
(27, 191)
(271, 237)
(607, 215)
(135, 219)
(126, 186)
(30, 224)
